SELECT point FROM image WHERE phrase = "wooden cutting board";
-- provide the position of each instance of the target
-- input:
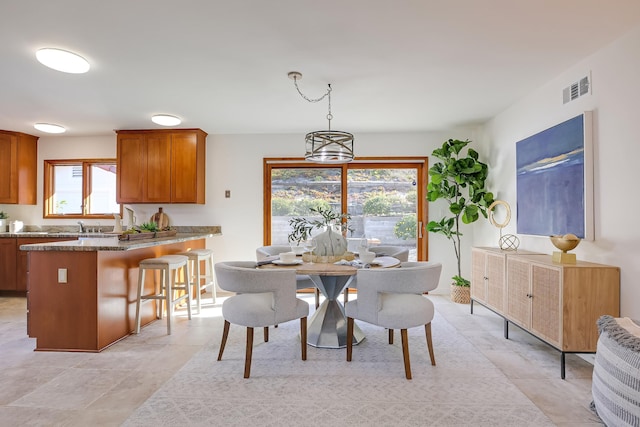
(161, 219)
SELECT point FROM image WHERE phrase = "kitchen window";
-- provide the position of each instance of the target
(83, 188)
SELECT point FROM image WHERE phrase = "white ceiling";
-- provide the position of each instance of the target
(394, 65)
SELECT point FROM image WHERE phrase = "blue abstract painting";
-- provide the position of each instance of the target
(551, 182)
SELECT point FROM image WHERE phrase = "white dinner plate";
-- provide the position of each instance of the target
(386, 262)
(280, 262)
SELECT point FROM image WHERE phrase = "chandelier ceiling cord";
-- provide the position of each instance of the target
(325, 146)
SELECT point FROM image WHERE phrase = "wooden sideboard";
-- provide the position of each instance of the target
(557, 303)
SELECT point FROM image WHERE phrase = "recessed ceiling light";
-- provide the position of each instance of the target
(166, 120)
(49, 128)
(62, 60)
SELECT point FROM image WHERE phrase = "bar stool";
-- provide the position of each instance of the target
(197, 277)
(169, 266)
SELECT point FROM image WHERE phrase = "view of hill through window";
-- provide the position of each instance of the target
(381, 201)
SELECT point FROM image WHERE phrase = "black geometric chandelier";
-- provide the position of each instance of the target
(325, 146)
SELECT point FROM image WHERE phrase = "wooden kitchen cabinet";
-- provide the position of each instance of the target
(557, 303)
(21, 268)
(161, 166)
(13, 261)
(18, 168)
(7, 264)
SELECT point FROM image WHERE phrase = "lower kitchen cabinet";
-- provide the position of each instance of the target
(22, 258)
(8, 264)
(13, 261)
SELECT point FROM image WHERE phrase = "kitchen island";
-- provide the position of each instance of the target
(81, 294)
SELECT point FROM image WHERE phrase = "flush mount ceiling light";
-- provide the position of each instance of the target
(325, 146)
(166, 120)
(49, 128)
(62, 60)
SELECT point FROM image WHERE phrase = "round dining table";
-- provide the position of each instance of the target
(327, 326)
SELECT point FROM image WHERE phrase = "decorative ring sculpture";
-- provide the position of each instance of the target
(492, 207)
(508, 242)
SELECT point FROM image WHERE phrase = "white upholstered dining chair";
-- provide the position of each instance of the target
(263, 298)
(393, 298)
(303, 281)
(398, 252)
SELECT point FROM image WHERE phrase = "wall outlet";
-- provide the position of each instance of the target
(227, 194)
(62, 275)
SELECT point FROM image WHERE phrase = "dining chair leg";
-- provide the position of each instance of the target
(349, 338)
(225, 334)
(303, 337)
(317, 298)
(247, 358)
(427, 329)
(405, 353)
(266, 334)
(390, 336)
(346, 295)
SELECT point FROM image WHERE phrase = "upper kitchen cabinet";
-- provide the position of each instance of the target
(18, 168)
(161, 166)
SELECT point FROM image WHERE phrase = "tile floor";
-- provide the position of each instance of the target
(103, 389)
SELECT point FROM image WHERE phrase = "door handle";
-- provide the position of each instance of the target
(420, 229)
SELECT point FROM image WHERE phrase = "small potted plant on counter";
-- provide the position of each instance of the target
(3, 221)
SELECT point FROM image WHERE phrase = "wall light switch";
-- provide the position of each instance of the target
(227, 194)
(62, 275)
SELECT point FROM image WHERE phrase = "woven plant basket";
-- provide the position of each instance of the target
(461, 294)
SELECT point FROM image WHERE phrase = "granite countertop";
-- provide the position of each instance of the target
(111, 243)
(71, 234)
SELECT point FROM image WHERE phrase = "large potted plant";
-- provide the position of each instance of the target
(459, 179)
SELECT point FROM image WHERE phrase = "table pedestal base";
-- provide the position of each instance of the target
(327, 327)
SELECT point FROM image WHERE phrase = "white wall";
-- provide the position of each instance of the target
(241, 215)
(616, 128)
(235, 163)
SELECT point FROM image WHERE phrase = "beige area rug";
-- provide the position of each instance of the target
(464, 389)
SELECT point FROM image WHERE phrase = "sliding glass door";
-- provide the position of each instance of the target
(382, 202)
(385, 199)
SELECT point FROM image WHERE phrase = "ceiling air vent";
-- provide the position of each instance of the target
(576, 90)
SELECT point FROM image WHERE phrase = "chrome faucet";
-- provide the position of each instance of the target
(81, 224)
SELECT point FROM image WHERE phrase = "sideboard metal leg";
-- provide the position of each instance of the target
(471, 306)
(506, 329)
(562, 361)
